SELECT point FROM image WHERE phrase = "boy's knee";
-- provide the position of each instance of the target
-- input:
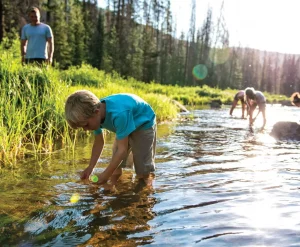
(144, 171)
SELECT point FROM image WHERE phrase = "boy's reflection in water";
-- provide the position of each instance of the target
(121, 212)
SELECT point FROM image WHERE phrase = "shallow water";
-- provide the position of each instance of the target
(218, 183)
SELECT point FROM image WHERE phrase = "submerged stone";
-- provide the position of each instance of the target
(286, 131)
(217, 103)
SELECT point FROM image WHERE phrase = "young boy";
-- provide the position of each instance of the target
(239, 96)
(255, 98)
(130, 117)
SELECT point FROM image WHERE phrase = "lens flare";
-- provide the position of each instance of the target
(200, 71)
(75, 198)
(94, 178)
(219, 56)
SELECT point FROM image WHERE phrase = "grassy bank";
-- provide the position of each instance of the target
(32, 102)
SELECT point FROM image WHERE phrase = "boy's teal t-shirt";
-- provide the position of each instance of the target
(126, 113)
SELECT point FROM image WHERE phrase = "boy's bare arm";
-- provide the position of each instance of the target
(117, 157)
(96, 152)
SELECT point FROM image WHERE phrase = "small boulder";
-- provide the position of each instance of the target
(286, 131)
(285, 103)
(216, 103)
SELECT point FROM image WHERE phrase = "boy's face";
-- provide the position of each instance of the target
(92, 123)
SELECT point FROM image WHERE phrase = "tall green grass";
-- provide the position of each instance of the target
(32, 105)
(32, 102)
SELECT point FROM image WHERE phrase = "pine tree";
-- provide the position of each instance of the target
(62, 50)
(97, 43)
(76, 35)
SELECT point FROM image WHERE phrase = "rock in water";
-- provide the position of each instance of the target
(180, 106)
(286, 131)
(217, 103)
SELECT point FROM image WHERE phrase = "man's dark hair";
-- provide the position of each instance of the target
(33, 9)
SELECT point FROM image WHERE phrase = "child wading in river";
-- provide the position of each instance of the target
(130, 118)
(255, 98)
(240, 96)
(295, 99)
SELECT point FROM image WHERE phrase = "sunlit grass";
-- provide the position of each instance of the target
(32, 113)
(32, 102)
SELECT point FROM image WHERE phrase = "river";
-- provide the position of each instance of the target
(217, 183)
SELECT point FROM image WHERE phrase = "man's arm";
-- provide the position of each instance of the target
(96, 152)
(23, 49)
(50, 42)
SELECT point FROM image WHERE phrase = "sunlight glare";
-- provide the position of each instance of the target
(265, 138)
(274, 116)
(75, 198)
(219, 56)
(200, 71)
(262, 213)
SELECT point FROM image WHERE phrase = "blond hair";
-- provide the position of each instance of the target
(80, 106)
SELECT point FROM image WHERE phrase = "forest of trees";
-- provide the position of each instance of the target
(137, 38)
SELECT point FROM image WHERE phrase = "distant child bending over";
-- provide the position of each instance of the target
(295, 98)
(239, 96)
(255, 98)
(130, 117)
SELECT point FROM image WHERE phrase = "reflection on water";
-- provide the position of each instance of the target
(218, 183)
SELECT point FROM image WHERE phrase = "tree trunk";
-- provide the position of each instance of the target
(1, 21)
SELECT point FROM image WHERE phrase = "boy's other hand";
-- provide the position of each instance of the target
(86, 173)
(102, 179)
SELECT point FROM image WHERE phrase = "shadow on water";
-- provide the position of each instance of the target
(218, 183)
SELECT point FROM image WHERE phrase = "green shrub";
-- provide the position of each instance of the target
(84, 75)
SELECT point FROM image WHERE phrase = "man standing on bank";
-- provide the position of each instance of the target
(37, 45)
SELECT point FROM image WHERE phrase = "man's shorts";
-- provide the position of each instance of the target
(38, 61)
(262, 106)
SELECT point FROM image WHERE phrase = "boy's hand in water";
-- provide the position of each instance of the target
(102, 178)
(86, 173)
(109, 187)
